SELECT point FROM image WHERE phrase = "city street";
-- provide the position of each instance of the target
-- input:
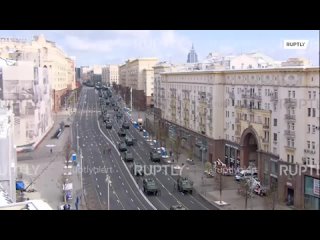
(125, 191)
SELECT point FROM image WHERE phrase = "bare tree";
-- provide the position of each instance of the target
(177, 147)
(272, 196)
(245, 191)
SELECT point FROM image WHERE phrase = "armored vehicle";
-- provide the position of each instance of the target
(149, 186)
(184, 185)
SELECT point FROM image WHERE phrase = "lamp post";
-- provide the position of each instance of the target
(78, 138)
(108, 182)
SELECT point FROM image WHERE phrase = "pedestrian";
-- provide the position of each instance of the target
(170, 153)
(50, 150)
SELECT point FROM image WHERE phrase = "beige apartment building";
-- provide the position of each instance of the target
(44, 54)
(110, 74)
(138, 75)
(267, 117)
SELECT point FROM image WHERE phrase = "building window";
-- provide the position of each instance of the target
(288, 158)
(292, 126)
(232, 114)
(232, 102)
(289, 94)
(308, 128)
(293, 94)
(313, 129)
(313, 112)
(313, 145)
(288, 142)
(309, 112)
(292, 142)
(308, 144)
(312, 161)
(308, 160)
(292, 158)
(232, 126)
(275, 122)
(309, 93)
(314, 94)
(275, 137)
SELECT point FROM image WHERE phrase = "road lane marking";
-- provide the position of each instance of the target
(119, 177)
(122, 183)
(98, 185)
(100, 193)
(126, 191)
(131, 199)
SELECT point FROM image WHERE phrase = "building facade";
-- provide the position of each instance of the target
(27, 91)
(192, 56)
(45, 54)
(138, 75)
(8, 154)
(266, 117)
(110, 74)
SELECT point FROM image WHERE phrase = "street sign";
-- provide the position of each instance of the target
(74, 157)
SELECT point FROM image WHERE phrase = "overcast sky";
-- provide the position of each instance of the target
(114, 47)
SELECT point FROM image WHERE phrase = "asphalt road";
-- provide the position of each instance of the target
(126, 190)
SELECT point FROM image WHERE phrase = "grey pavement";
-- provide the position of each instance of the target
(46, 169)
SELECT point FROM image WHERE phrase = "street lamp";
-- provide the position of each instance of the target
(109, 183)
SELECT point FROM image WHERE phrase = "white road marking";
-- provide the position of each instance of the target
(126, 191)
(138, 208)
(100, 193)
(96, 179)
(191, 202)
(98, 185)
(119, 177)
(122, 183)
(131, 199)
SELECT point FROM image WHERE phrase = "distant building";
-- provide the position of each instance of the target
(8, 156)
(294, 62)
(110, 74)
(192, 56)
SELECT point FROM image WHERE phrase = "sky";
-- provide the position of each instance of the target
(102, 47)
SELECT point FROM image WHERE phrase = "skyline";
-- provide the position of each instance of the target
(102, 47)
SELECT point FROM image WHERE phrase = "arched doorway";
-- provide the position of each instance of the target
(249, 148)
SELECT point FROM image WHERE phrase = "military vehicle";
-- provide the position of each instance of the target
(122, 132)
(122, 147)
(128, 156)
(177, 207)
(184, 185)
(119, 115)
(125, 125)
(155, 156)
(108, 125)
(129, 141)
(149, 186)
(137, 168)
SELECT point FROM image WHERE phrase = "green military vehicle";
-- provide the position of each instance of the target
(128, 156)
(122, 132)
(184, 185)
(149, 186)
(122, 147)
(177, 207)
(129, 141)
(155, 156)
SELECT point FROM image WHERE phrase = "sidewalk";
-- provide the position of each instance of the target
(46, 169)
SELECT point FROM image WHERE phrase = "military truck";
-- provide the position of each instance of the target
(128, 156)
(149, 186)
(155, 156)
(122, 132)
(125, 125)
(177, 207)
(184, 185)
(122, 147)
(129, 141)
(108, 125)
(119, 115)
(137, 168)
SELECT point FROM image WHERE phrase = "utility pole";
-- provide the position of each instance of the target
(131, 98)
(108, 182)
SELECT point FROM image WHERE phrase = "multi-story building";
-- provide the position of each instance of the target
(27, 91)
(137, 75)
(267, 117)
(8, 154)
(46, 54)
(110, 74)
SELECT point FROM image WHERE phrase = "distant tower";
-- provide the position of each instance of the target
(192, 56)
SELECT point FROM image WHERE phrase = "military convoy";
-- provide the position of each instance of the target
(128, 156)
(149, 186)
(184, 185)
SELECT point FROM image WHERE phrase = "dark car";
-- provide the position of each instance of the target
(122, 147)
(125, 125)
(122, 132)
(108, 125)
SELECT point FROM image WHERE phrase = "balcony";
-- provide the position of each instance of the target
(290, 117)
(257, 97)
(289, 133)
(310, 151)
(291, 148)
(265, 126)
(290, 102)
